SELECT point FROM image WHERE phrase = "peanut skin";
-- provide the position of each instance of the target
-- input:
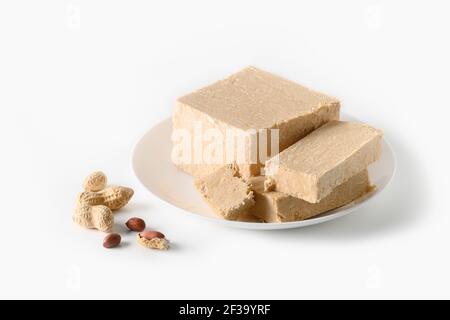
(94, 217)
(112, 240)
(112, 197)
(135, 224)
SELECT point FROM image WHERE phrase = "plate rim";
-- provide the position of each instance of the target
(328, 216)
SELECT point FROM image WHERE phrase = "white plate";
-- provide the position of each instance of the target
(153, 167)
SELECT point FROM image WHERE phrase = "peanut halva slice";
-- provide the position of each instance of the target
(225, 192)
(314, 166)
(244, 103)
(273, 206)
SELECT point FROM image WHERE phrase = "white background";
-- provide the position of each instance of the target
(81, 81)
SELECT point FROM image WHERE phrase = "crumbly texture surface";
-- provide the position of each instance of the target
(201, 170)
(269, 184)
(252, 99)
(248, 217)
(314, 166)
(273, 206)
(225, 192)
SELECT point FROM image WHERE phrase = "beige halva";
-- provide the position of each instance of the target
(316, 164)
